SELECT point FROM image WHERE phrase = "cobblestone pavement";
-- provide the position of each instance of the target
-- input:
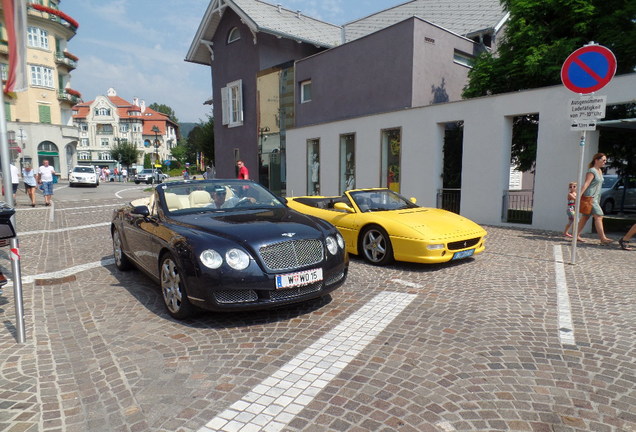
(478, 346)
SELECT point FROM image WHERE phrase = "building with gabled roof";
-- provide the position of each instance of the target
(109, 119)
(274, 69)
(39, 117)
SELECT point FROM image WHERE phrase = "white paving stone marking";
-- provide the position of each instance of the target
(48, 231)
(566, 329)
(66, 272)
(407, 283)
(273, 403)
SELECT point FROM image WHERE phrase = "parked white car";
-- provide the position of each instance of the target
(83, 175)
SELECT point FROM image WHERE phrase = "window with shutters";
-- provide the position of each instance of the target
(45, 113)
(232, 103)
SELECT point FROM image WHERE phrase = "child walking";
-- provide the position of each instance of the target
(571, 207)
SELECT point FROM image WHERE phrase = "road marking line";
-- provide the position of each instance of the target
(90, 207)
(407, 283)
(63, 229)
(65, 272)
(273, 403)
(566, 328)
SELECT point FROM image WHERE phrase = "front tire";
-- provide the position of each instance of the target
(375, 246)
(173, 289)
(608, 207)
(121, 260)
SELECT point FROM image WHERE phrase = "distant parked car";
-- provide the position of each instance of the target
(613, 191)
(83, 175)
(146, 176)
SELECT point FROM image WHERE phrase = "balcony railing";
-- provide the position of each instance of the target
(64, 96)
(54, 15)
(61, 58)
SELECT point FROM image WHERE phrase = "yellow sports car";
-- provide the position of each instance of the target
(383, 226)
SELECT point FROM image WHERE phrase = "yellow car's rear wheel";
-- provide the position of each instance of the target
(376, 246)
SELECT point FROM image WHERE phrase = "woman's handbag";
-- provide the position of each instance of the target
(586, 205)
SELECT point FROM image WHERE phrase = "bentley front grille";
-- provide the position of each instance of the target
(292, 254)
(235, 296)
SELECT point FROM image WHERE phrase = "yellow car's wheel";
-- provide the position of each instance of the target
(376, 246)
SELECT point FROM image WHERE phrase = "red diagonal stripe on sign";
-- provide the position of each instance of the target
(587, 69)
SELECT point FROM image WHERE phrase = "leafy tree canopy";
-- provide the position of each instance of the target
(540, 35)
(201, 139)
(164, 109)
(124, 152)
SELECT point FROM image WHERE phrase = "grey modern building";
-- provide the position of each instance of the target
(274, 69)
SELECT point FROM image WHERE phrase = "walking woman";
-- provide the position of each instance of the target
(592, 188)
(30, 182)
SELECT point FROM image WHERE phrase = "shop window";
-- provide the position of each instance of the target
(390, 167)
(347, 162)
(313, 167)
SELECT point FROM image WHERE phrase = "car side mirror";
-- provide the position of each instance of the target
(343, 206)
(413, 200)
(141, 210)
(283, 199)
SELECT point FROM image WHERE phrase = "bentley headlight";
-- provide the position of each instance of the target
(237, 259)
(332, 245)
(340, 241)
(211, 259)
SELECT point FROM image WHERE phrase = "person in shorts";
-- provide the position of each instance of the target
(45, 178)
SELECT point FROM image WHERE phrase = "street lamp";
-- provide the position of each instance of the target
(156, 130)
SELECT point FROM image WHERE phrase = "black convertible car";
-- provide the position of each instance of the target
(227, 245)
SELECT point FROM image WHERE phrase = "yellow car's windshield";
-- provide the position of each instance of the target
(380, 200)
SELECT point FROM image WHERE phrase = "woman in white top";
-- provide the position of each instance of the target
(30, 182)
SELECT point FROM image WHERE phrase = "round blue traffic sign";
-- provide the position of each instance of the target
(588, 69)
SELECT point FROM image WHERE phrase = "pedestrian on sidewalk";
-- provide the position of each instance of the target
(571, 208)
(591, 190)
(30, 182)
(624, 241)
(45, 179)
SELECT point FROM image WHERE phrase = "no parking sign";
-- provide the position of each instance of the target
(588, 69)
(585, 71)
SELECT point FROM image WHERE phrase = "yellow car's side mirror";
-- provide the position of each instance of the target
(343, 206)
(413, 200)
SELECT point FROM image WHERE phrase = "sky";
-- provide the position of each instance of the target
(138, 47)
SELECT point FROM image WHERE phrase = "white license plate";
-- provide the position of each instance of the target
(463, 254)
(306, 277)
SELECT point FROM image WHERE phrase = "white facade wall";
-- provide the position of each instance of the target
(486, 152)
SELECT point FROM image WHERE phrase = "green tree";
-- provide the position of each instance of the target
(201, 139)
(125, 152)
(164, 109)
(180, 152)
(539, 36)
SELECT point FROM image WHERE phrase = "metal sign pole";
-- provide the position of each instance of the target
(575, 228)
(15, 263)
